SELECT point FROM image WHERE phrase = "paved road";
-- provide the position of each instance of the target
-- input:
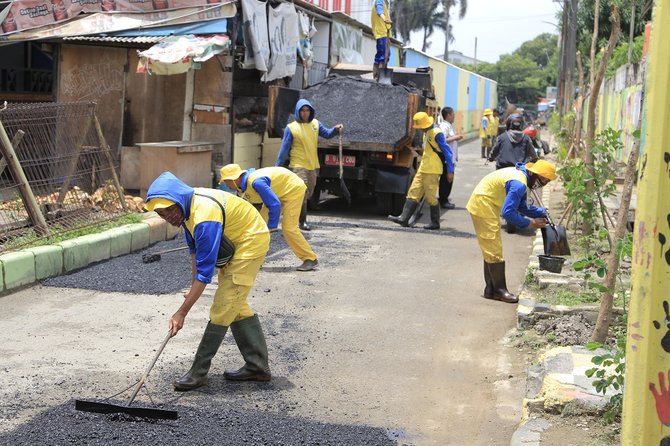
(389, 339)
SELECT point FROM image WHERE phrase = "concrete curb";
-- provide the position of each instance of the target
(25, 267)
(558, 384)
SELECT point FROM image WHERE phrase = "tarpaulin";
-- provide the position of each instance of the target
(111, 22)
(255, 28)
(177, 54)
(22, 15)
(283, 29)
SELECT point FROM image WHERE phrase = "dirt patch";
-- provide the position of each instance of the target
(574, 329)
(585, 430)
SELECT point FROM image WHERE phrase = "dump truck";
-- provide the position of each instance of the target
(381, 150)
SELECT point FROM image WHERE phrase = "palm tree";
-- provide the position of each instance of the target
(431, 18)
(405, 18)
(448, 36)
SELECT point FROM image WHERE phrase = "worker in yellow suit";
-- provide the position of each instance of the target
(222, 232)
(503, 192)
(380, 20)
(437, 158)
(282, 193)
(486, 132)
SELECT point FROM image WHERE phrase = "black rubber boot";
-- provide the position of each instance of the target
(497, 274)
(434, 218)
(407, 211)
(251, 342)
(488, 291)
(209, 345)
(375, 72)
(303, 218)
(484, 152)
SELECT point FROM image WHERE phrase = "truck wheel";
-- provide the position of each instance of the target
(313, 202)
(397, 203)
(384, 203)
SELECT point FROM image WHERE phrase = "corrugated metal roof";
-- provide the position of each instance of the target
(115, 39)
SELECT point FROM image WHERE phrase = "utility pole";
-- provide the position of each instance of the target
(570, 55)
(475, 54)
(560, 88)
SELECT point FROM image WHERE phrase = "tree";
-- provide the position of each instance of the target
(433, 18)
(524, 75)
(448, 36)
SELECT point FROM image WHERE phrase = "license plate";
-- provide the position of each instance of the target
(334, 160)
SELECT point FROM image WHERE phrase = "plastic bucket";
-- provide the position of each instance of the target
(552, 264)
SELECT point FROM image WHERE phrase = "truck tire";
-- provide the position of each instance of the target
(313, 202)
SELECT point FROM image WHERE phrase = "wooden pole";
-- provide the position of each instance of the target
(110, 160)
(29, 201)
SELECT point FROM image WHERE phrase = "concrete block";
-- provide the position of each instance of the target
(99, 246)
(48, 261)
(139, 236)
(75, 255)
(172, 232)
(18, 269)
(119, 241)
(157, 229)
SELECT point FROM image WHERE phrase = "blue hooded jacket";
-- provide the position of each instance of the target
(207, 234)
(515, 204)
(287, 139)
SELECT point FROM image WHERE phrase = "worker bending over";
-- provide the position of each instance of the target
(281, 192)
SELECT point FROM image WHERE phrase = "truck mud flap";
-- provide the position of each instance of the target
(393, 181)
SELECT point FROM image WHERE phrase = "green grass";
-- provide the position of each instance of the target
(31, 240)
(570, 298)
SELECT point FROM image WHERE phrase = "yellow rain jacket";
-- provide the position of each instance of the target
(431, 162)
(285, 184)
(304, 148)
(484, 132)
(489, 195)
(379, 27)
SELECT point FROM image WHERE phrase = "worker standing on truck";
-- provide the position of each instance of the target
(485, 132)
(226, 232)
(281, 192)
(447, 127)
(437, 157)
(299, 144)
(381, 26)
(503, 192)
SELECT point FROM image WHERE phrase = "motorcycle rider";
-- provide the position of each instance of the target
(513, 146)
(541, 147)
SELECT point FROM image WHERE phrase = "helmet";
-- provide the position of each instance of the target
(543, 168)
(514, 122)
(230, 172)
(422, 120)
(530, 131)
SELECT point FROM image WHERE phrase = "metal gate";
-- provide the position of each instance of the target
(56, 172)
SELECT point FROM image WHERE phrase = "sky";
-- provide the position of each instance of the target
(500, 26)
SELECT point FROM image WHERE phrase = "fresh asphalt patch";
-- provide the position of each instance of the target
(196, 426)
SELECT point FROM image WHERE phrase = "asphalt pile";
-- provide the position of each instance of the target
(196, 426)
(371, 112)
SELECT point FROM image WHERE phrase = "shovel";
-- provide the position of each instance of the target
(156, 256)
(343, 187)
(554, 238)
(386, 72)
(102, 407)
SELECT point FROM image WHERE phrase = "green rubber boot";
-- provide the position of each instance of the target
(209, 345)
(407, 211)
(251, 342)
